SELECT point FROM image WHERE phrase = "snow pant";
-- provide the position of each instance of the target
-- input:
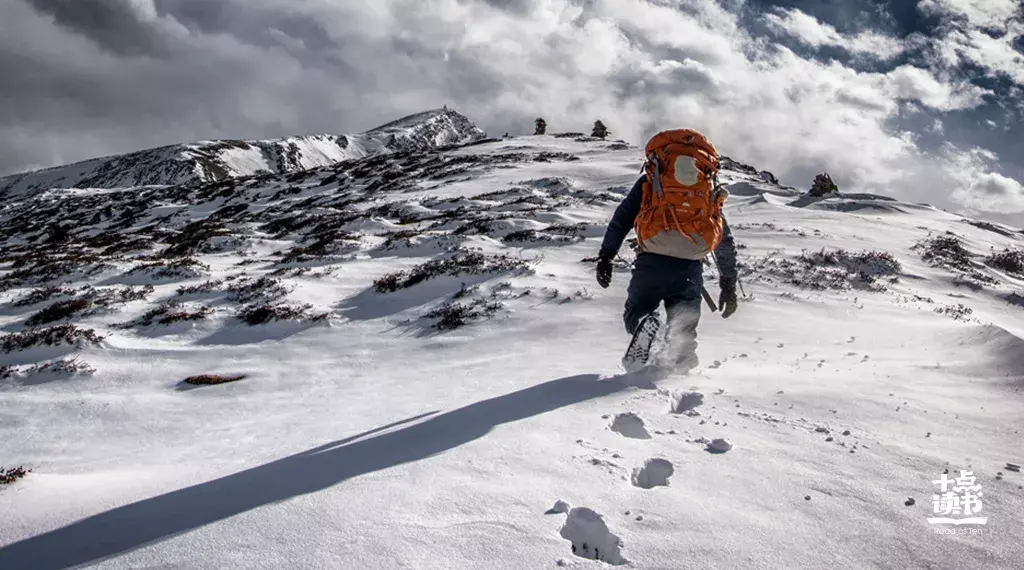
(676, 282)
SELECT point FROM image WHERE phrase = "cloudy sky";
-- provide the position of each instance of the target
(922, 100)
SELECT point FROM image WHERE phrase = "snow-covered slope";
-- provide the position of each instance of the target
(208, 161)
(432, 368)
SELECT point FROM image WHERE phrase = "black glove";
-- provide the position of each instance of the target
(727, 300)
(604, 270)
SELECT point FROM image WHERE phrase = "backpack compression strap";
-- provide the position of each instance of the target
(656, 181)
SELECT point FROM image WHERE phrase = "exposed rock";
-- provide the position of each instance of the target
(823, 185)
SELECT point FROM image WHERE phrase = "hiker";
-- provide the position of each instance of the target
(683, 195)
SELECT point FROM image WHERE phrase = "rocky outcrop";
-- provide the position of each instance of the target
(823, 185)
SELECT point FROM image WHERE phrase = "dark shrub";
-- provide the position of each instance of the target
(60, 311)
(169, 313)
(8, 476)
(262, 314)
(454, 315)
(50, 336)
(1008, 260)
(461, 263)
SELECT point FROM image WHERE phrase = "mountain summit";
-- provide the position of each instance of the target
(214, 160)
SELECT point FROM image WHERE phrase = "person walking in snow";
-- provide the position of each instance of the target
(675, 207)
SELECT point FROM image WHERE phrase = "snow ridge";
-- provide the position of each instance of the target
(215, 160)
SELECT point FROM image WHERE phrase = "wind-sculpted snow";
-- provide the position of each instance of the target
(410, 349)
(309, 223)
(279, 228)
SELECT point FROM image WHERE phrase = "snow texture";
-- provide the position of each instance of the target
(653, 473)
(630, 425)
(588, 533)
(560, 506)
(425, 352)
(686, 401)
(720, 445)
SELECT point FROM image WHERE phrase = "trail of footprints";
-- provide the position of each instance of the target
(584, 528)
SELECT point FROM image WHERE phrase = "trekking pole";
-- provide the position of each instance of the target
(707, 297)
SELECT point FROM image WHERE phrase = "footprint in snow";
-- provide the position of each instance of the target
(653, 473)
(630, 425)
(586, 530)
(682, 402)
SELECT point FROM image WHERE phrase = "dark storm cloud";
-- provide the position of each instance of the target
(249, 22)
(1018, 44)
(144, 27)
(115, 25)
(113, 76)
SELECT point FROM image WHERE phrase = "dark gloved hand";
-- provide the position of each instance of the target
(727, 300)
(604, 270)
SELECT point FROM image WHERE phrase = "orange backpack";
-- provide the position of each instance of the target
(681, 212)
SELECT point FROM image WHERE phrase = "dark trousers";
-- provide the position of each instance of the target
(677, 283)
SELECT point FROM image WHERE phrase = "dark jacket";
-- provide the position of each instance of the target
(622, 223)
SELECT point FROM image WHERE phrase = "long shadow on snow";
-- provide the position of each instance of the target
(152, 520)
(237, 333)
(1015, 298)
(371, 304)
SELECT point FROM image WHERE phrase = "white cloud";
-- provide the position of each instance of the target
(964, 41)
(664, 67)
(989, 13)
(815, 33)
(981, 189)
(637, 65)
(917, 84)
